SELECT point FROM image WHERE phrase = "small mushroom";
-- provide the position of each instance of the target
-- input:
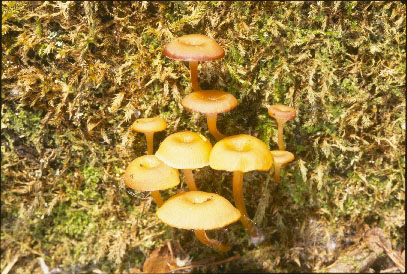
(281, 158)
(241, 153)
(199, 211)
(210, 102)
(282, 114)
(148, 173)
(185, 150)
(148, 126)
(194, 48)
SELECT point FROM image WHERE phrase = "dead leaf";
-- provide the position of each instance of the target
(160, 260)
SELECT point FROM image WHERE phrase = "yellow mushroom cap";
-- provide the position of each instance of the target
(148, 173)
(185, 150)
(240, 152)
(282, 112)
(282, 156)
(209, 101)
(149, 124)
(194, 47)
(198, 210)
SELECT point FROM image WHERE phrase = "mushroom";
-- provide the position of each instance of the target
(282, 114)
(210, 102)
(148, 173)
(241, 153)
(199, 211)
(194, 48)
(185, 150)
(148, 126)
(281, 157)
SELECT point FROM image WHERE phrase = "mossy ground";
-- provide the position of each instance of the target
(75, 75)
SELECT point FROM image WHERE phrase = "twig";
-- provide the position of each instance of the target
(207, 264)
(390, 270)
(397, 260)
(11, 264)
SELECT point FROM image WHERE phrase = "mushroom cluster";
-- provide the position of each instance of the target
(189, 150)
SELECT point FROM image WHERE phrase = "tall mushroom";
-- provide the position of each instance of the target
(199, 211)
(210, 102)
(241, 153)
(282, 114)
(148, 173)
(281, 157)
(185, 150)
(148, 126)
(194, 48)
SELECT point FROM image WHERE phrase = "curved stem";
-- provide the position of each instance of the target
(201, 235)
(189, 178)
(157, 198)
(193, 66)
(238, 197)
(150, 142)
(280, 124)
(211, 120)
(277, 173)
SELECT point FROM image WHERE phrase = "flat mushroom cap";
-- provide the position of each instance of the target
(185, 150)
(240, 152)
(282, 156)
(149, 124)
(209, 101)
(194, 47)
(282, 112)
(148, 173)
(198, 210)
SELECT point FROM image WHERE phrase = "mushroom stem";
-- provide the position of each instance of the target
(280, 124)
(211, 120)
(157, 198)
(193, 66)
(238, 197)
(189, 178)
(277, 173)
(150, 142)
(201, 235)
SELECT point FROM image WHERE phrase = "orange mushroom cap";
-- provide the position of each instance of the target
(240, 152)
(282, 112)
(194, 47)
(209, 101)
(185, 150)
(198, 210)
(148, 173)
(149, 124)
(282, 156)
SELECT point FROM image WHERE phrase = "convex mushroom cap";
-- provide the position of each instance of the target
(198, 210)
(282, 112)
(194, 47)
(185, 150)
(148, 173)
(209, 101)
(149, 124)
(240, 152)
(282, 156)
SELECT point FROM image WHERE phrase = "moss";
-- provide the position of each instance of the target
(75, 76)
